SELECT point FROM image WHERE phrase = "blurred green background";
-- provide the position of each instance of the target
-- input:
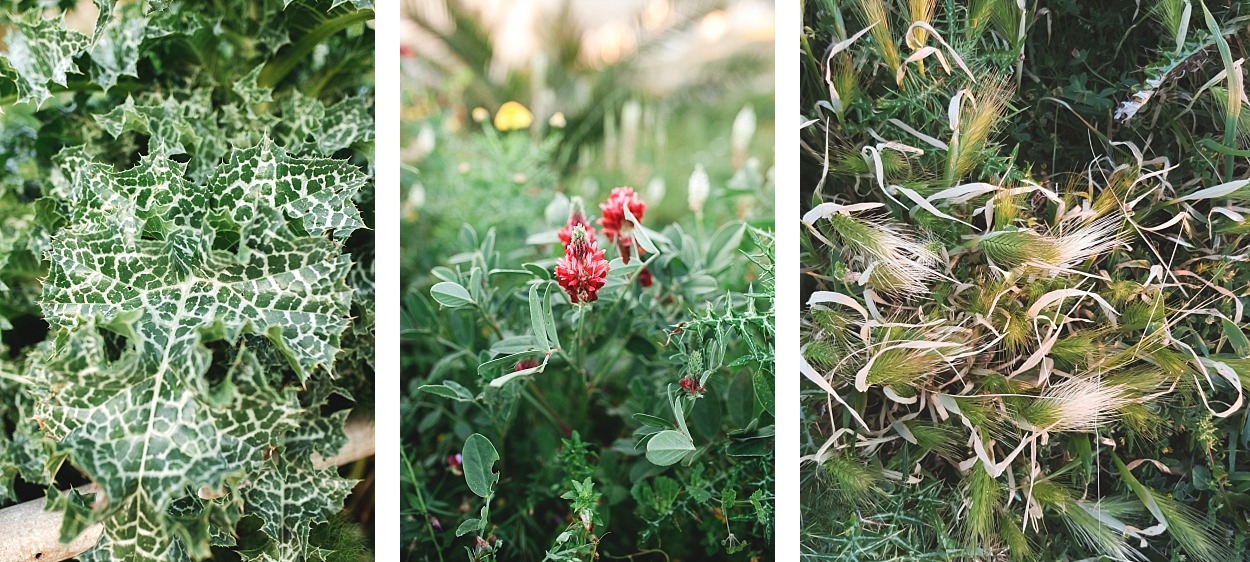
(630, 93)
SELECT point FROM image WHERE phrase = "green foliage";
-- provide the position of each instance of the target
(1020, 267)
(188, 283)
(639, 424)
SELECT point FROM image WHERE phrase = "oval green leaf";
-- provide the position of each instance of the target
(479, 457)
(668, 447)
(451, 295)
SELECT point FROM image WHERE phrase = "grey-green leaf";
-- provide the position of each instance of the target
(451, 295)
(479, 458)
(668, 447)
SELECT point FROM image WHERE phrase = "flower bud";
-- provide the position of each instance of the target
(697, 190)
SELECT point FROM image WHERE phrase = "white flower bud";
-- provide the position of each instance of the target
(697, 190)
(743, 129)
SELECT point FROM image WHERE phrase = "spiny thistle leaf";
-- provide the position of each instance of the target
(42, 52)
(142, 425)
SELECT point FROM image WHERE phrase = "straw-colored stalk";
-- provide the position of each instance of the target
(920, 10)
(875, 13)
(977, 121)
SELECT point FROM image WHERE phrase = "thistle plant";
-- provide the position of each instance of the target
(1011, 307)
(186, 267)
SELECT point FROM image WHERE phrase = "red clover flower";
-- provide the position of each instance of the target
(615, 225)
(577, 215)
(583, 270)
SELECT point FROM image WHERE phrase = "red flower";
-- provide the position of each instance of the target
(525, 364)
(577, 216)
(644, 278)
(454, 463)
(583, 270)
(691, 386)
(615, 225)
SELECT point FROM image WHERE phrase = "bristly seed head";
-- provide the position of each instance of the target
(893, 260)
(1059, 252)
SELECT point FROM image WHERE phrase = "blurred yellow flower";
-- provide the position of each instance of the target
(480, 114)
(513, 115)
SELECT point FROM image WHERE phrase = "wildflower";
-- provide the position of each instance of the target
(697, 190)
(615, 225)
(692, 387)
(577, 217)
(583, 270)
(512, 116)
(480, 114)
(644, 278)
(557, 120)
(743, 130)
(455, 463)
(525, 364)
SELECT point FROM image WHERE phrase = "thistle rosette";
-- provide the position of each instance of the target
(583, 270)
(617, 228)
(577, 216)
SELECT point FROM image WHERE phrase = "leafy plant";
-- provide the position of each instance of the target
(188, 276)
(603, 403)
(1021, 232)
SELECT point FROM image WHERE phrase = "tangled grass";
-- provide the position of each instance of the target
(1024, 282)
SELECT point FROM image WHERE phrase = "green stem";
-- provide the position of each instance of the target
(425, 512)
(539, 400)
(581, 343)
(490, 321)
(80, 85)
(280, 66)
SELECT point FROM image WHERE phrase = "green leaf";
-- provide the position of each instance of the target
(640, 233)
(549, 319)
(115, 44)
(346, 123)
(252, 93)
(513, 345)
(449, 389)
(479, 458)
(537, 324)
(538, 271)
(147, 426)
(451, 295)
(653, 421)
(468, 526)
(500, 381)
(668, 447)
(290, 495)
(765, 390)
(725, 244)
(1237, 339)
(42, 51)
